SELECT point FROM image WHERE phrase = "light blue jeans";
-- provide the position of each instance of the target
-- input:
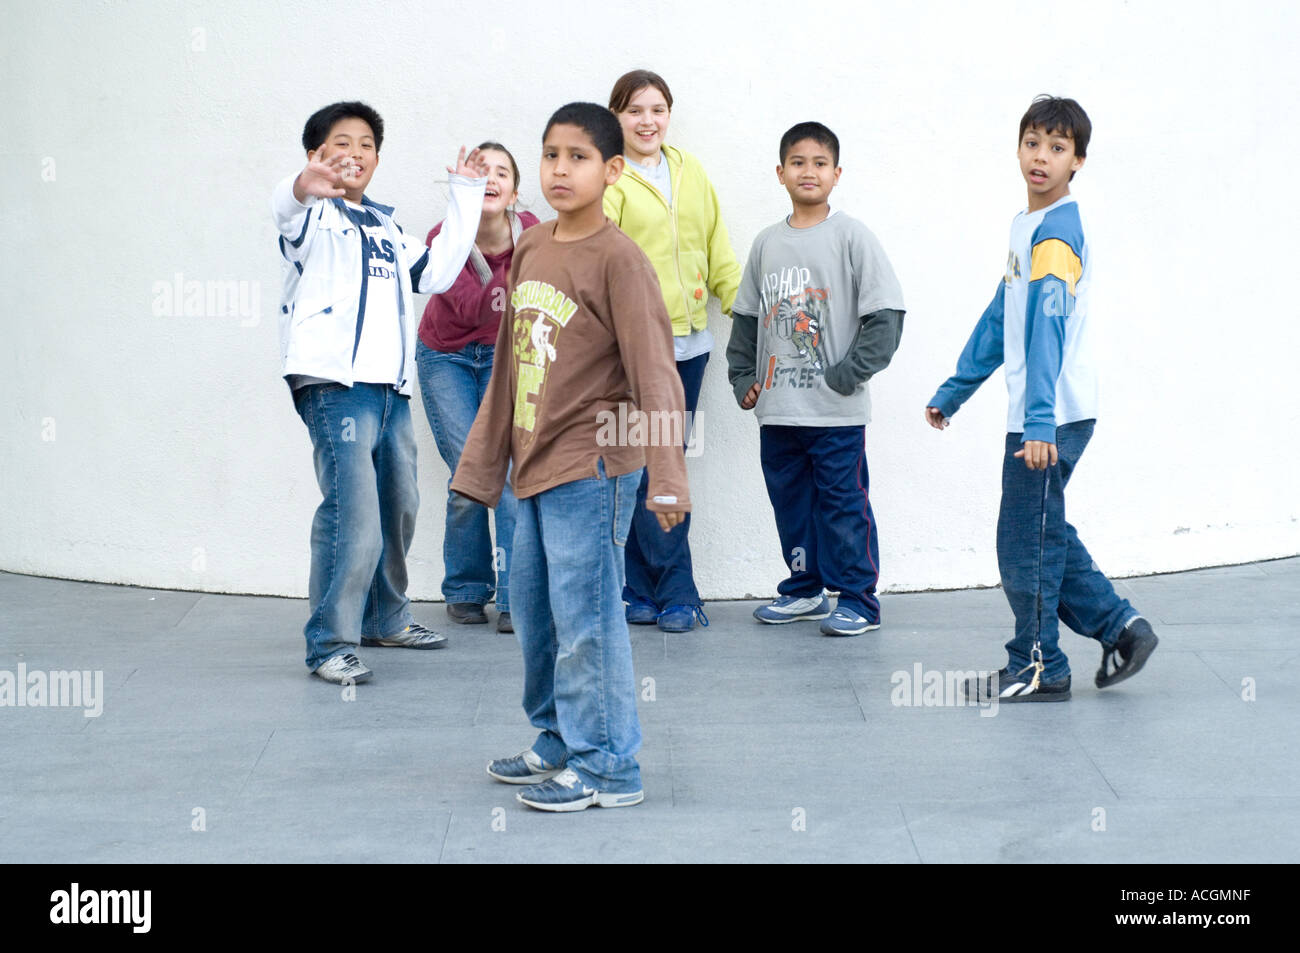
(567, 584)
(452, 385)
(364, 452)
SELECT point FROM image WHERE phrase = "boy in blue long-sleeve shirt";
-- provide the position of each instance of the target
(1037, 326)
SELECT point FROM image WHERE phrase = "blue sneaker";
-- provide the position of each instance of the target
(847, 622)
(793, 609)
(681, 618)
(566, 792)
(525, 768)
(641, 611)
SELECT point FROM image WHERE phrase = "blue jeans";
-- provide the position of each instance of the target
(364, 452)
(1046, 571)
(567, 580)
(659, 564)
(452, 386)
(817, 481)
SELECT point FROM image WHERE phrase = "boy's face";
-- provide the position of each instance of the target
(574, 176)
(808, 172)
(1046, 162)
(354, 139)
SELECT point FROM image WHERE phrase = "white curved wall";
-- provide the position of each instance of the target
(144, 139)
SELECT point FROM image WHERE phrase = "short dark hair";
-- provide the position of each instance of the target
(323, 120)
(1058, 116)
(814, 131)
(629, 84)
(497, 147)
(600, 125)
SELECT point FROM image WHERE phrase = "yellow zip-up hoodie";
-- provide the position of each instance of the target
(686, 241)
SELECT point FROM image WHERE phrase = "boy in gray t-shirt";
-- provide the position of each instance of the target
(819, 311)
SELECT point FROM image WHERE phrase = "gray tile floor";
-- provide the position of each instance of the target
(761, 743)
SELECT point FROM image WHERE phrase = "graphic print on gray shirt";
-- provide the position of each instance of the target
(809, 287)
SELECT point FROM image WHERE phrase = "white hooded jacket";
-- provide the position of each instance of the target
(325, 279)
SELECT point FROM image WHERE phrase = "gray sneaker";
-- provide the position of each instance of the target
(845, 621)
(567, 792)
(414, 636)
(345, 668)
(523, 768)
(793, 609)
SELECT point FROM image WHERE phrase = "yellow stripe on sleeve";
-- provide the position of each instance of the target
(1055, 257)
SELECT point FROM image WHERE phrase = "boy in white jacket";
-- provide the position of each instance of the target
(347, 346)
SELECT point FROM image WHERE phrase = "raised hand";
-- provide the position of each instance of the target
(473, 166)
(322, 179)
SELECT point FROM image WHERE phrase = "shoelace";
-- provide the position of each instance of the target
(568, 778)
(1108, 664)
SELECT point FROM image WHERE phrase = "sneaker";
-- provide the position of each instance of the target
(1012, 687)
(342, 669)
(566, 792)
(1134, 647)
(504, 624)
(523, 768)
(641, 611)
(414, 636)
(793, 609)
(681, 618)
(467, 613)
(847, 622)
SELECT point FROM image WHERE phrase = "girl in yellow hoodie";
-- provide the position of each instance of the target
(667, 205)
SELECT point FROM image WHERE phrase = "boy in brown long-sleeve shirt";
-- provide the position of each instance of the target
(585, 333)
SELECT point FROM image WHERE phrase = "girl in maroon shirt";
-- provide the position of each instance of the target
(454, 358)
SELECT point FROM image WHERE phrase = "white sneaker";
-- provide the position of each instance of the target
(343, 668)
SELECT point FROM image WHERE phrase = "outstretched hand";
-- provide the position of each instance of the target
(322, 179)
(472, 166)
(935, 418)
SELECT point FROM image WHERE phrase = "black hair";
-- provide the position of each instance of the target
(600, 125)
(814, 131)
(1059, 117)
(497, 147)
(323, 120)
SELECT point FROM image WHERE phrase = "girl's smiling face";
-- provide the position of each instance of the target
(645, 123)
(502, 189)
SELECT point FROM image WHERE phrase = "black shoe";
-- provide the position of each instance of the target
(504, 624)
(467, 613)
(1010, 687)
(1133, 648)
